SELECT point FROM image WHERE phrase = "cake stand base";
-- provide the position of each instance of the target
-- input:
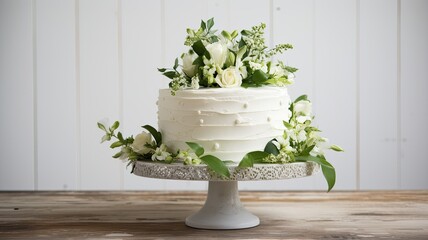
(222, 209)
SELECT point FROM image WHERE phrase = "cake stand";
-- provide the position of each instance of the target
(223, 208)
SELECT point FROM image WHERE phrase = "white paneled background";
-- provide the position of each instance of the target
(64, 65)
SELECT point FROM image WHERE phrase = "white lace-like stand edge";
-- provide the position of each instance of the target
(223, 208)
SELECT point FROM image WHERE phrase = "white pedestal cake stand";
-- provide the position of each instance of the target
(223, 208)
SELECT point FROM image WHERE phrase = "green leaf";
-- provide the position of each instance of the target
(226, 35)
(101, 126)
(252, 157)
(290, 69)
(199, 48)
(228, 162)
(216, 165)
(120, 137)
(234, 34)
(241, 52)
(116, 144)
(170, 74)
(114, 126)
(175, 64)
(162, 69)
(336, 148)
(327, 169)
(203, 25)
(259, 76)
(307, 150)
(303, 97)
(117, 155)
(287, 124)
(156, 135)
(210, 23)
(271, 148)
(330, 176)
(230, 60)
(198, 149)
(198, 61)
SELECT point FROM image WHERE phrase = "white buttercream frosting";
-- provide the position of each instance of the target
(227, 122)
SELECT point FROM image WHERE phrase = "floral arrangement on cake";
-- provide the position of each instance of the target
(226, 60)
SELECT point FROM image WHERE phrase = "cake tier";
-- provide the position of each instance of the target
(227, 122)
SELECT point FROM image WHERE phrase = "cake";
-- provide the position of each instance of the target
(227, 103)
(227, 122)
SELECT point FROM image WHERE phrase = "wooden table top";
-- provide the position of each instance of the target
(160, 215)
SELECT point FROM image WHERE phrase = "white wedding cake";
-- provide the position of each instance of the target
(227, 122)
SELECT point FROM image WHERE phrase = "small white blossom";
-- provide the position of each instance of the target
(161, 154)
(140, 141)
(257, 66)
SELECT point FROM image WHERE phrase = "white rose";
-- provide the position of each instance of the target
(303, 107)
(218, 53)
(230, 77)
(140, 141)
(188, 68)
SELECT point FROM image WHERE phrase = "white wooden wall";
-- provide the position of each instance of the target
(66, 64)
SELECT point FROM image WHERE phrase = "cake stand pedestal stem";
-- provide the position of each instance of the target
(222, 209)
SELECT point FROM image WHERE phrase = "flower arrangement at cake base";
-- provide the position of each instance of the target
(228, 104)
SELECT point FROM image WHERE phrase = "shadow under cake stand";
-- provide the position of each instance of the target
(223, 208)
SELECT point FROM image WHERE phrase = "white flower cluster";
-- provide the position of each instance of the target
(299, 136)
(227, 61)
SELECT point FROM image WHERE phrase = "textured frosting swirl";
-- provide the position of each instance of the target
(228, 123)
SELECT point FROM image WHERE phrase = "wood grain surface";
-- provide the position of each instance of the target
(160, 215)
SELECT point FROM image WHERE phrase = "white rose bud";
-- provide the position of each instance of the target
(188, 68)
(230, 77)
(218, 53)
(140, 141)
(303, 107)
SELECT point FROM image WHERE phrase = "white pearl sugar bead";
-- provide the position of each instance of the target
(216, 146)
(201, 121)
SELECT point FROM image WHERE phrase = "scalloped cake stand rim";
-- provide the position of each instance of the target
(259, 172)
(223, 208)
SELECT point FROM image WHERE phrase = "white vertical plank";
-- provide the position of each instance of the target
(56, 95)
(378, 94)
(142, 55)
(335, 96)
(247, 13)
(293, 22)
(414, 98)
(99, 92)
(16, 96)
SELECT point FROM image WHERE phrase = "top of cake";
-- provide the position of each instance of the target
(228, 60)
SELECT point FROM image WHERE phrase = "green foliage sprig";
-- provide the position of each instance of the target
(299, 143)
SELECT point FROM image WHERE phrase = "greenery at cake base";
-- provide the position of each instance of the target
(300, 142)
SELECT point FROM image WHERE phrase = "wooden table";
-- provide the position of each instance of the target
(160, 215)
